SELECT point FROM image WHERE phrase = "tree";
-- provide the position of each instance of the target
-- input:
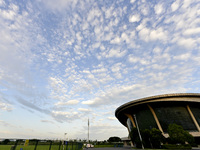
(156, 138)
(178, 135)
(150, 138)
(6, 141)
(114, 139)
(135, 137)
(146, 134)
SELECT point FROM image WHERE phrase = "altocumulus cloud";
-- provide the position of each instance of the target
(66, 61)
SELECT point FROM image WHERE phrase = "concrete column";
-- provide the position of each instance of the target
(193, 118)
(155, 117)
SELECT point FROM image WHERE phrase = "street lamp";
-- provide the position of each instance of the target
(64, 140)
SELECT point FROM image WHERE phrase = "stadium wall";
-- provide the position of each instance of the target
(161, 110)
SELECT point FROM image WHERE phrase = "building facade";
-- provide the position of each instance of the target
(160, 111)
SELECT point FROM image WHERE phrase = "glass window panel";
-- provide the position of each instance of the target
(174, 114)
(145, 118)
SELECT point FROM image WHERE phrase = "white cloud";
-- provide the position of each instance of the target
(116, 93)
(116, 67)
(108, 36)
(64, 55)
(152, 35)
(112, 118)
(84, 110)
(175, 5)
(125, 37)
(144, 34)
(158, 34)
(2, 3)
(70, 102)
(116, 40)
(157, 50)
(158, 9)
(144, 8)
(100, 70)
(65, 116)
(132, 1)
(116, 53)
(57, 84)
(186, 3)
(59, 5)
(11, 13)
(133, 59)
(192, 31)
(134, 18)
(184, 57)
(187, 42)
(5, 106)
(93, 13)
(89, 102)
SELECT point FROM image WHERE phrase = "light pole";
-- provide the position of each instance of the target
(88, 129)
(64, 140)
(138, 130)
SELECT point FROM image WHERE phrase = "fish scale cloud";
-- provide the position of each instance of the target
(88, 54)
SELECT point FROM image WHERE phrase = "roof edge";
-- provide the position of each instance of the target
(157, 97)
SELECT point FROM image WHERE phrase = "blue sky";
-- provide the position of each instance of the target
(64, 61)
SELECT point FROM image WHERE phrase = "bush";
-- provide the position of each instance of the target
(156, 138)
(178, 135)
(150, 138)
(146, 138)
(5, 142)
(135, 138)
(174, 146)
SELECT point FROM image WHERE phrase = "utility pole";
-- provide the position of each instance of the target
(64, 140)
(138, 130)
(88, 129)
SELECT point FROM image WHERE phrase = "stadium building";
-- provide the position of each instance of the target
(162, 110)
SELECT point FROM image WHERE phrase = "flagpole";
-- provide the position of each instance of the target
(88, 129)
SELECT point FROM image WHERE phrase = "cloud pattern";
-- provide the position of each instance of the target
(71, 59)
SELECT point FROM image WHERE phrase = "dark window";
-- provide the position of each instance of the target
(174, 114)
(145, 118)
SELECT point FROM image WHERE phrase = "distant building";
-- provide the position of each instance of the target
(162, 110)
(126, 141)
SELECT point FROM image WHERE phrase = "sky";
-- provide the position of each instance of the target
(64, 61)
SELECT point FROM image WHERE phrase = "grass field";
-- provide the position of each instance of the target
(5, 147)
(39, 147)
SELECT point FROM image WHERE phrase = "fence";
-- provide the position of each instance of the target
(41, 145)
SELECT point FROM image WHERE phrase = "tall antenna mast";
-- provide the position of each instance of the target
(88, 129)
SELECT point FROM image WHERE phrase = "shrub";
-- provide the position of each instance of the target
(150, 138)
(156, 138)
(178, 135)
(174, 146)
(135, 137)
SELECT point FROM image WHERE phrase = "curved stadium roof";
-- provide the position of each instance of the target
(176, 97)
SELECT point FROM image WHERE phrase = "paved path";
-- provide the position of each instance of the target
(110, 148)
(122, 148)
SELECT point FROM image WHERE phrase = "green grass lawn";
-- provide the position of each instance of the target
(96, 146)
(5, 147)
(39, 147)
